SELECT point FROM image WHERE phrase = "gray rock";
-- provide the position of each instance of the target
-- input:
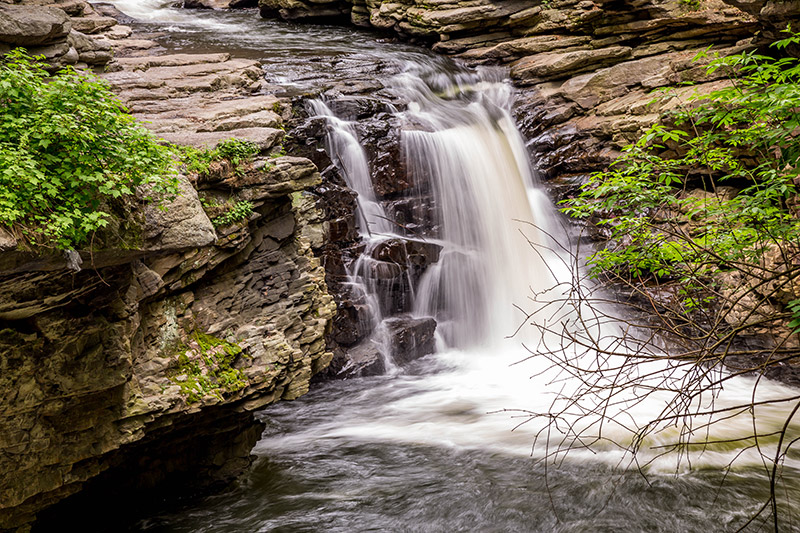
(7, 240)
(33, 25)
(180, 224)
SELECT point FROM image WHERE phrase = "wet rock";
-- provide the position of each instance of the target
(410, 338)
(362, 361)
(380, 136)
(405, 338)
(327, 10)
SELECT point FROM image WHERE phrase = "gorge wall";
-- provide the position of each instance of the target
(585, 68)
(139, 363)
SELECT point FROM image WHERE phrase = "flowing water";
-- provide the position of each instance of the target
(459, 441)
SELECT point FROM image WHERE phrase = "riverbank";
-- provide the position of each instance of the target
(95, 379)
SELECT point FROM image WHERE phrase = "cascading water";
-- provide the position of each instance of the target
(375, 227)
(431, 448)
(486, 202)
(500, 280)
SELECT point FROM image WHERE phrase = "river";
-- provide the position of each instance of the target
(447, 444)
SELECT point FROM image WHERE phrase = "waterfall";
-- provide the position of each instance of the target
(501, 290)
(446, 445)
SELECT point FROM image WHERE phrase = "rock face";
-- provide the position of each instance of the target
(585, 68)
(387, 270)
(144, 367)
(61, 30)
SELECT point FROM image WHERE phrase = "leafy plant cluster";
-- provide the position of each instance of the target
(206, 367)
(237, 151)
(68, 151)
(741, 145)
(235, 212)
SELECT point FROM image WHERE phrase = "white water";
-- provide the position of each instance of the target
(504, 252)
(501, 240)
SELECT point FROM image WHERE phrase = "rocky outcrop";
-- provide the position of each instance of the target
(63, 31)
(144, 366)
(218, 4)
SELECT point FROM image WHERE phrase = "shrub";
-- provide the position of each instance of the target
(68, 148)
(745, 135)
(237, 151)
(235, 212)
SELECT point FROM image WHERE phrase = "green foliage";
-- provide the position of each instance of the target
(794, 308)
(198, 161)
(745, 136)
(206, 367)
(68, 149)
(236, 212)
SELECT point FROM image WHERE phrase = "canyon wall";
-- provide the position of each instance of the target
(140, 362)
(585, 68)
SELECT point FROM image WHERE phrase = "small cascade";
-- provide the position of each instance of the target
(351, 160)
(375, 229)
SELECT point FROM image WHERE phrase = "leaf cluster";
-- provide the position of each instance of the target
(68, 150)
(237, 151)
(745, 136)
(235, 212)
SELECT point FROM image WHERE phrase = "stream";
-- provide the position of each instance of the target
(448, 443)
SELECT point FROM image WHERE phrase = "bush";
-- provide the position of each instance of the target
(68, 150)
(198, 160)
(746, 136)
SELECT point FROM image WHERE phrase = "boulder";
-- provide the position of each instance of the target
(410, 338)
(33, 25)
(182, 224)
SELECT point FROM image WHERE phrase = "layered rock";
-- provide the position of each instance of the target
(156, 352)
(65, 32)
(586, 68)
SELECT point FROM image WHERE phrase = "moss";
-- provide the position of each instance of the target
(205, 366)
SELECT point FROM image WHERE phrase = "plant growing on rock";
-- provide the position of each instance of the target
(199, 161)
(69, 150)
(205, 367)
(704, 238)
(235, 212)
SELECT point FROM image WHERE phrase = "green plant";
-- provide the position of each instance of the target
(68, 150)
(744, 136)
(794, 323)
(236, 212)
(198, 160)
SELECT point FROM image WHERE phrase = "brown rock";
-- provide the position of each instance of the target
(561, 65)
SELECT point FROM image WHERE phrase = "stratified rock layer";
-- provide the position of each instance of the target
(63, 31)
(157, 351)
